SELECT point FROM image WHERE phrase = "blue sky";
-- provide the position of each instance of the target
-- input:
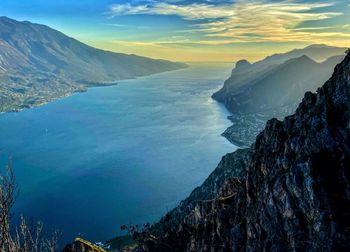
(187, 30)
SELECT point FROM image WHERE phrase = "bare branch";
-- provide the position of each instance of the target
(26, 238)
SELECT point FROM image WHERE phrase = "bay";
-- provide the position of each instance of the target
(122, 154)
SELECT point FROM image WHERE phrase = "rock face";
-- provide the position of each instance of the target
(272, 87)
(242, 65)
(38, 64)
(289, 192)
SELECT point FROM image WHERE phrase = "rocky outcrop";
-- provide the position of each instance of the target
(231, 166)
(242, 65)
(292, 192)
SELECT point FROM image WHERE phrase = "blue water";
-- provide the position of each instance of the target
(116, 155)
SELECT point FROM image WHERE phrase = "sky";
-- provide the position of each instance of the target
(192, 30)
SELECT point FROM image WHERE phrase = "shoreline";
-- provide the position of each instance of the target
(80, 88)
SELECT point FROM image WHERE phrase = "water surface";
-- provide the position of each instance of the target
(115, 155)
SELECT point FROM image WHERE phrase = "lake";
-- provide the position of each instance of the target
(123, 154)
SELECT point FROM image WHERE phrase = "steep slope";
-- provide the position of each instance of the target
(294, 194)
(246, 73)
(259, 91)
(282, 86)
(39, 63)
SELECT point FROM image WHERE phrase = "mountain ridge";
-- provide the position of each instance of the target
(45, 64)
(262, 90)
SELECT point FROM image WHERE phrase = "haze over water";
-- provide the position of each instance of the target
(117, 155)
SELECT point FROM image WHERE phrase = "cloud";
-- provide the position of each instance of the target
(245, 21)
(188, 12)
(185, 42)
(198, 11)
(127, 26)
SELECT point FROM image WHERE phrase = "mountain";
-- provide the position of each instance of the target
(273, 87)
(38, 64)
(317, 52)
(282, 85)
(289, 192)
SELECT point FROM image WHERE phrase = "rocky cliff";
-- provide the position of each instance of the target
(289, 192)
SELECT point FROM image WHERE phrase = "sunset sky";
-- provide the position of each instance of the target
(183, 30)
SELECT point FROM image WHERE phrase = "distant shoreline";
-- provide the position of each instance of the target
(80, 88)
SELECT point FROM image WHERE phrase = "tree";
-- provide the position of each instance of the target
(25, 237)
